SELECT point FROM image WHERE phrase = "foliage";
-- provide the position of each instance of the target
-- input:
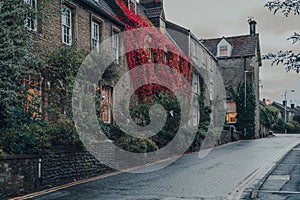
(136, 144)
(25, 138)
(60, 69)
(64, 134)
(268, 116)
(288, 58)
(280, 126)
(246, 115)
(16, 58)
(148, 56)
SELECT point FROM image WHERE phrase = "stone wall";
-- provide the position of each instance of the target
(64, 166)
(18, 174)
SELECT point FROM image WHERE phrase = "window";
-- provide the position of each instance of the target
(147, 47)
(33, 96)
(115, 46)
(223, 50)
(67, 25)
(196, 114)
(195, 85)
(132, 5)
(106, 104)
(95, 35)
(31, 17)
(231, 113)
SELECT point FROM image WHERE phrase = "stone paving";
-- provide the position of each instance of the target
(284, 180)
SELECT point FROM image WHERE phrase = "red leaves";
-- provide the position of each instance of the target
(165, 53)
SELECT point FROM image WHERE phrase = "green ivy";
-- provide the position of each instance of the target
(246, 115)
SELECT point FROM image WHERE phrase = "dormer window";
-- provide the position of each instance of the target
(224, 48)
(132, 5)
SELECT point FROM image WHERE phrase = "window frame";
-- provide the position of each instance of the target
(98, 35)
(31, 21)
(116, 45)
(134, 3)
(69, 35)
(223, 50)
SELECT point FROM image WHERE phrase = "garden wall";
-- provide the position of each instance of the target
(22, 174)
(18, 174)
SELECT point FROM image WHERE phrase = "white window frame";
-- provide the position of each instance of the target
(115, 46)
(95, 35)
(31, 21)
(134, 2)
(66, 24)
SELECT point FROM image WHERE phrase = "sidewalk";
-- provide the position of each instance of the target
(283, 182)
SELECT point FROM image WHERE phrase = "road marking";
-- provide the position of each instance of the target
(61, 187)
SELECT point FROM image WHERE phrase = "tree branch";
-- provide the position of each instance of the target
(288, 58)
(286, 6)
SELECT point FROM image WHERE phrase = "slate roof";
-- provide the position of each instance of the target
(102, 7)
(154, 12)
(281, 107)
(244, 45)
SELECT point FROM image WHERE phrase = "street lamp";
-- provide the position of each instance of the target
(285, 104)
(245, 88)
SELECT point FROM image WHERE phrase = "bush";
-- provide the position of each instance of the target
(25, 138)
(64, 133)
(136, 145)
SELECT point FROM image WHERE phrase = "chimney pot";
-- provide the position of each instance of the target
(252, 24)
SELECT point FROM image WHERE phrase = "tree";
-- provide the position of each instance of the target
(268, 117)
(290, 59)
(245, 114)
(16, 59)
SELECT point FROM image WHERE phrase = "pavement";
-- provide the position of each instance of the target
(282, 182)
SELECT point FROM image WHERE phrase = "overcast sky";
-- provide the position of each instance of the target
(215, 18)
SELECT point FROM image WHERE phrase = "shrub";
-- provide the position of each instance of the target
(27, 138)
(64, 133)
(136, 144)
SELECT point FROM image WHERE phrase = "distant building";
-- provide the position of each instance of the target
(238, 56)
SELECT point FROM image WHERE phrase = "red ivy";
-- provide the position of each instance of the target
(175, 58)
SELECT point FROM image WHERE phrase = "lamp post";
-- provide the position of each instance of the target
(285, 104)
(245, 88)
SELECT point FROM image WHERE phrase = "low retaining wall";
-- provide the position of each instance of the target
(18, 174)
(24, 174)
(64, 166)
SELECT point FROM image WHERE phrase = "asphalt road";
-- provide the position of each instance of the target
(213, 177)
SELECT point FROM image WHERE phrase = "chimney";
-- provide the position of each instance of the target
(284, 103)
(152, 3)
(252, 25)
(293, 106)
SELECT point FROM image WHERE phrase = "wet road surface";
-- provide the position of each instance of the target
(213, 177)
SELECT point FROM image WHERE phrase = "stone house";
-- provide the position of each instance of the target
(239, 59)
(81, 23)
(204, 66)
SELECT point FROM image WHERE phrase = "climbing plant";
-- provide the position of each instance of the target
(246, 113)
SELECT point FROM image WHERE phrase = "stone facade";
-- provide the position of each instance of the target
(241, 58)
(48, 37)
